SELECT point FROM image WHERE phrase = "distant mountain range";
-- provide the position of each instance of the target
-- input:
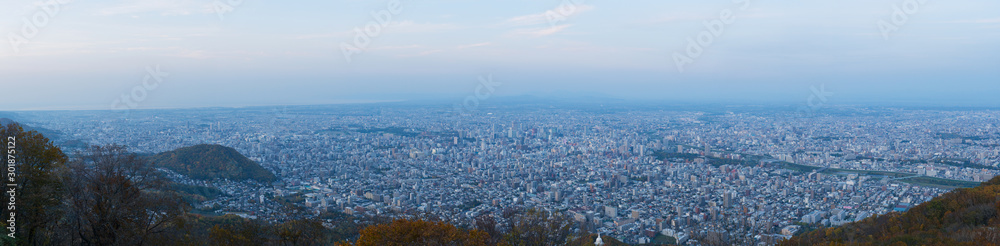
(206, 162)
(960, 217)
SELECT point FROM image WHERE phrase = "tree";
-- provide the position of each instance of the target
(419, 232)
(240, 232)
(960, 217)
(38, 164)
(303, 232)
(345, 227)
(488, 224)
(117, 198)
(536, 227)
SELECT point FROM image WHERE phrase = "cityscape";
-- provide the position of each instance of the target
(500, 123)
(746, 174)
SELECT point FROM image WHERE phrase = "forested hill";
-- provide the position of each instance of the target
(960, 217)
(207, 162)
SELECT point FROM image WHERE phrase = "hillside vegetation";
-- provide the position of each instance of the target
(207, 162)
(960, 217)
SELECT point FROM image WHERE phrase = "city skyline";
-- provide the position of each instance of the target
(633, 173)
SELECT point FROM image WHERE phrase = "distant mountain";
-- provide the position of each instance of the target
(960, 217)
(50, 134)
(208, 162)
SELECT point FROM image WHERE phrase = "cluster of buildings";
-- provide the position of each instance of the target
(637, 175)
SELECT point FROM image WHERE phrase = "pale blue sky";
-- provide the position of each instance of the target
(289, 52)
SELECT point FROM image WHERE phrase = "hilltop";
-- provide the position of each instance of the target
(208, 162)
(960, 217)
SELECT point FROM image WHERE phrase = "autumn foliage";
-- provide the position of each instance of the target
(961, 217)
(418, 232)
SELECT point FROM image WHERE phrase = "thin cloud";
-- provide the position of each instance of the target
(397, 47)
(544, 17)
(193, 54)
(162, 7)
(978, 21)
(413, 27)
(320, 36)
(423, 53)
(676, 18)
(473, 45)
(527, 20)
(541, 32)
(548, 18)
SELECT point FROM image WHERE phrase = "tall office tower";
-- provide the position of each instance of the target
(727, 199)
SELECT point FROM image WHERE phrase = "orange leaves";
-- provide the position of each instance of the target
(418, 232)
(961, 217)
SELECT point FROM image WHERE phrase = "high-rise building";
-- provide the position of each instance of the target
(727, 199)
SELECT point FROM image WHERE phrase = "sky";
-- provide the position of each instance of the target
(118, 54)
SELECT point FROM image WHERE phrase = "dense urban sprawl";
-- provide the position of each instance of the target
(746, 176)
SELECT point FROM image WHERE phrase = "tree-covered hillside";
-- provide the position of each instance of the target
(960, 217)
(208, 162)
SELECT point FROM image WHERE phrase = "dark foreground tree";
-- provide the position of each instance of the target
(537, 227)
(241, 232)
(488, 224)
(37, 165)
(117, 198)
(303, 232)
